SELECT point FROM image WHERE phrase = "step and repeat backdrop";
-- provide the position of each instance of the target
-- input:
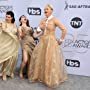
(74, 14)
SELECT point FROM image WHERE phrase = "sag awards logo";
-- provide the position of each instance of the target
(4, 9)
(74, 6)
(81, 45)
(34, 11)
(76, 22)
(72, 63)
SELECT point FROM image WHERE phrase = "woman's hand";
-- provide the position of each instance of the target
(37, 34)
(42, 25)
(0, 24)
(59, 41)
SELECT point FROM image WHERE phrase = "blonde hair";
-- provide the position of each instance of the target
(50, 6)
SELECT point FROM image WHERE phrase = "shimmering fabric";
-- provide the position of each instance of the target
(47, 63)
(8, 47)
(27, 42)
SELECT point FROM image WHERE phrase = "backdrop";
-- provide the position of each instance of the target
(74, 14)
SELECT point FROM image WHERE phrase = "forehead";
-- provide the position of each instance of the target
(23, 16)
(47, 7)
(8, 15)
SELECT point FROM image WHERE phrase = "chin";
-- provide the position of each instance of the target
(46, 15)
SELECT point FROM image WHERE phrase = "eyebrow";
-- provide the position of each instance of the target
(8, 16)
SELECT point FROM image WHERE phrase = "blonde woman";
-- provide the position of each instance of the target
(47, 63)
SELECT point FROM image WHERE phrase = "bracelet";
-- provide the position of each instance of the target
(61, 40)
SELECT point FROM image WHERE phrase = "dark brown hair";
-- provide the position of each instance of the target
(12, 15)
(27, 23)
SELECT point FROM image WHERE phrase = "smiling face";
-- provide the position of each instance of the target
(48, 11)
(8, 18)
(23, 19)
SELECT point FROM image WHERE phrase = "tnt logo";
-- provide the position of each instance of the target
(72, 63)
(76, 22)
(34, 11)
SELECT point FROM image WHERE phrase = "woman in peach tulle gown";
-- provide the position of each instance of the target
(47, 62)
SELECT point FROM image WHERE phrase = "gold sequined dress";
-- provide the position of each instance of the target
(27, 43)
(9, 45)
(47, 62)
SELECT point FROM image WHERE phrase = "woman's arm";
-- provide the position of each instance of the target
(0, 24)
(37, 34)
(62, 28)
(19, 33)
(40, 29)
(3, 25)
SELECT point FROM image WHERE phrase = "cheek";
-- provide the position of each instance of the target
(22, 20)
(10, 18)
(7, 19)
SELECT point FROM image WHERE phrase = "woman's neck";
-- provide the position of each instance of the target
(24, 24)
(49, 16)
(8, 22)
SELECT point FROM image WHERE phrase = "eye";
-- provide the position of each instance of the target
(25, 19)
(8, 16)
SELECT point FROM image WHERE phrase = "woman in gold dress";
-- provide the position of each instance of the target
(47, 62)
(8, 45)
(27, 43)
